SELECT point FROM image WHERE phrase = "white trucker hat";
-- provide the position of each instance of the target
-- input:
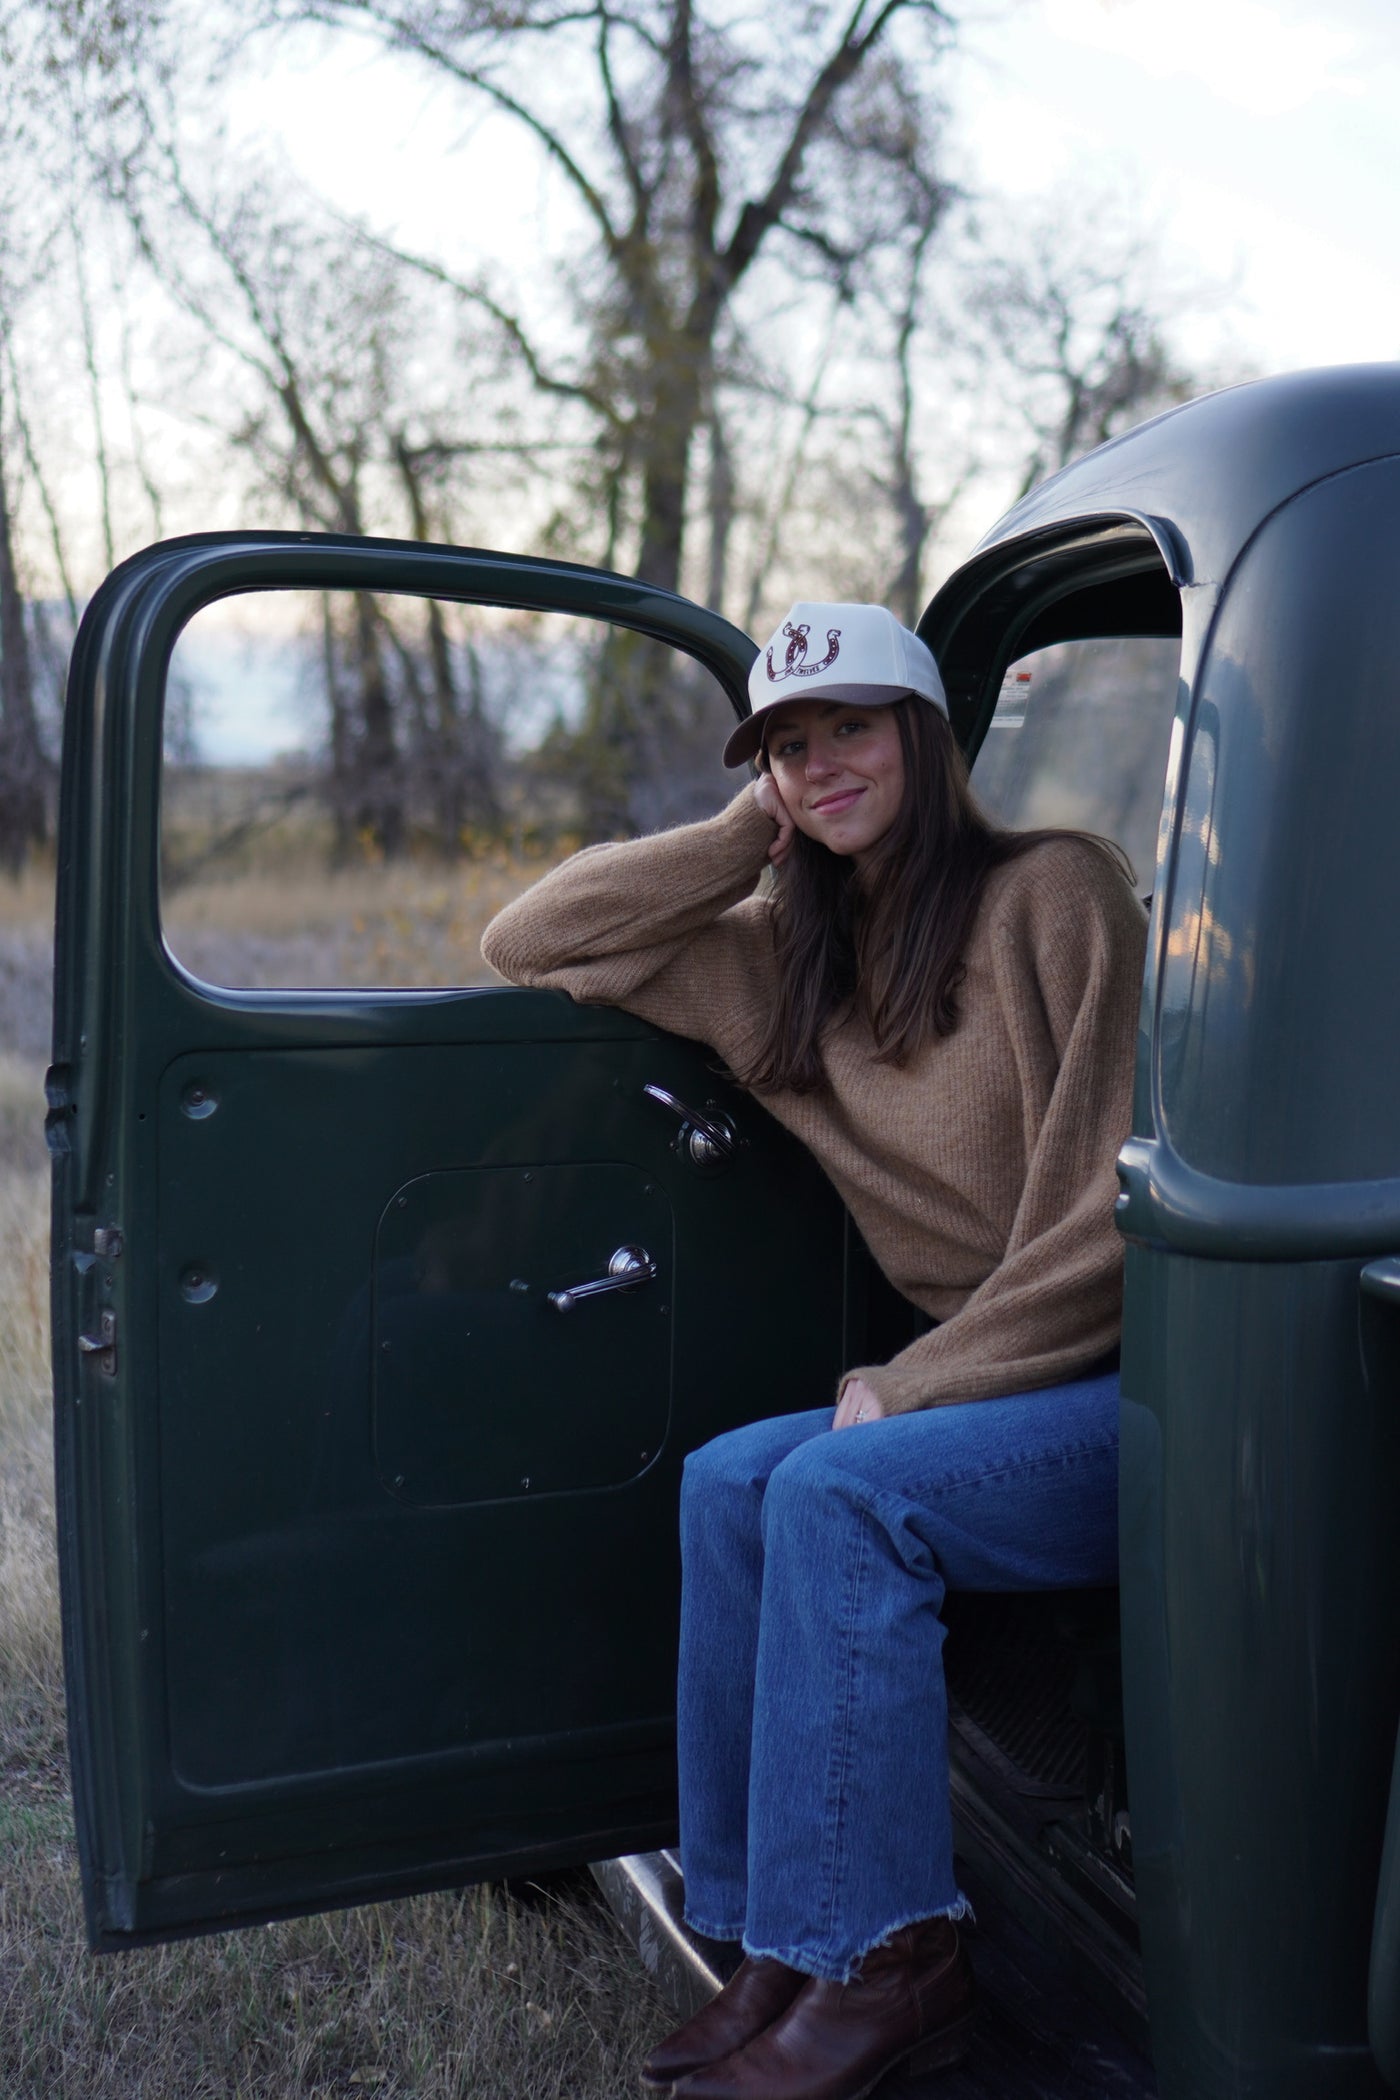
(857, 654)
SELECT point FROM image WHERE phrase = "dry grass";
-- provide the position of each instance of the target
(30, 1664)
(27, 899)
(462, 1996)
(22, 1145)
(298, 922)
(405, 923)
(410, 923)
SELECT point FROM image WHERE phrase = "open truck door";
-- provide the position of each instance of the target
(367, 1509)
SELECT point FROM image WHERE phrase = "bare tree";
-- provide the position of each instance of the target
(28, 232)
(23, 769)
(340, 433)
(731, 363)
(694, 146)
(1077, 325)
(914, 514)
(460, 746)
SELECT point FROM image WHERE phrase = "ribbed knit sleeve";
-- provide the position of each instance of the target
(1067, 957)
(665, 926)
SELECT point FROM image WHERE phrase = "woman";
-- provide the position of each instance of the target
(945, 1013)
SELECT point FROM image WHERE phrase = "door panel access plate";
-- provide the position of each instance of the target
(485, 1386)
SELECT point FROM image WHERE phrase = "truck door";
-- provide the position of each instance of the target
(384, 1313)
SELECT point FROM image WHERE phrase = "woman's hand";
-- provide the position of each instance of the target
(765, 794)
(857, 1404)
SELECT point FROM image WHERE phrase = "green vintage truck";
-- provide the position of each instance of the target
(368, 1550)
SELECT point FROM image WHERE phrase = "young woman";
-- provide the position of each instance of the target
(945, 1013)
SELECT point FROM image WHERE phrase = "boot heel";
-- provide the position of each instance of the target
(941, 2051)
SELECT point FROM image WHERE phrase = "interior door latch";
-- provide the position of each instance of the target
(707, 1141)
(103, 1344)
(629, 1267)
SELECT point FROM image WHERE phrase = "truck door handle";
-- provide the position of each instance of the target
(1381, 1279)
(628, 1267)
(707, 1140)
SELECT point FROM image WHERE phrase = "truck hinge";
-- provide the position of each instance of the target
(103, 1344)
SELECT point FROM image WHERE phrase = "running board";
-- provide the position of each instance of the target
(645, 1893)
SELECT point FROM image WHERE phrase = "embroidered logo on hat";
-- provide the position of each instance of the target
(794, 665)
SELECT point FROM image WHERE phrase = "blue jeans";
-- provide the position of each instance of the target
(812, 1715)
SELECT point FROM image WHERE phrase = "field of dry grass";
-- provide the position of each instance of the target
(293, 923)
(460, 1996)
(405, 924)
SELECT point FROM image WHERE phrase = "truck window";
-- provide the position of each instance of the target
(353, 784)
(1080, 738)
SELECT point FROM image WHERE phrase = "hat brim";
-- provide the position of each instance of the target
(745, 741)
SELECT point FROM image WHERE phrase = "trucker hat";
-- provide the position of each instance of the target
(857, 654)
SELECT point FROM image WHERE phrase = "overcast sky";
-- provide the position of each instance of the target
(1257, 137)
(1263, 137)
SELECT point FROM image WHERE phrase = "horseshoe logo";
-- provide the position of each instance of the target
(794, 664)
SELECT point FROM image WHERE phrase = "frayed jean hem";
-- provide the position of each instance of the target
(828, 1969)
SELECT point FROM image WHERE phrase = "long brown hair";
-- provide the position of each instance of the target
(889, 945)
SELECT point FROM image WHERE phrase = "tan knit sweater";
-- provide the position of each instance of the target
(981, 1174)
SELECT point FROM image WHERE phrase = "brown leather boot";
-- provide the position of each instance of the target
(755, 1994)
(910, 2004)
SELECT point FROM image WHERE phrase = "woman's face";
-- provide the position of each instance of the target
(839, 770)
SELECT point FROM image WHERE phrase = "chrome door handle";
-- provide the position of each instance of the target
(628, 1267)
(1381, 1279)
(707, 1140)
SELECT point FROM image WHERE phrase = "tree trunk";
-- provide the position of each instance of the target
(460, 748)
(23, 810)
(378, 774)
(339, 734)
(721, 510)
(618, 746)
(675, 415)
(912, 520)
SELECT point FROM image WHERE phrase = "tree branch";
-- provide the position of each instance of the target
(99, 430)
(758, 218)
(40, 480)
(843, 260)
(617, 123)
(547, 382)
(409, 37)
(687, 107)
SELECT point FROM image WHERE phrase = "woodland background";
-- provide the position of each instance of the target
(757, 338)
